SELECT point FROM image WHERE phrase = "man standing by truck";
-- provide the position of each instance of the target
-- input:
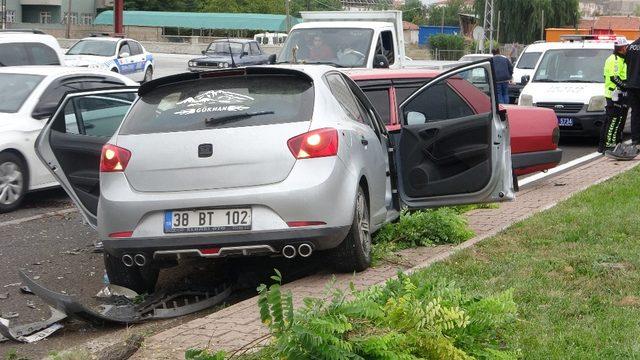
(504, 73)
(615, 74)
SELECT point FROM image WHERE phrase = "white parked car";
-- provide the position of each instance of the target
(29, 47)
(124, 56)
(30, 95)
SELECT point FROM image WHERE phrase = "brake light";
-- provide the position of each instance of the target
(209, 251)
(314, 144)
(114, 159)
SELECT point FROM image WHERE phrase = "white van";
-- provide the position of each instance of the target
(568, 78)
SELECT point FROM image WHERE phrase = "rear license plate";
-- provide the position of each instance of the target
(563, 121)
(207, 220)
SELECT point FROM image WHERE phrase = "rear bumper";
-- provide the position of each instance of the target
(322, 238)
(530, 159)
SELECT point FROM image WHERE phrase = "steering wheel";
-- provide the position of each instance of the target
(360, 55)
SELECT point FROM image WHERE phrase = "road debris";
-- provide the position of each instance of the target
(14, 284)
(26, 290)
(4, 296)
(31, 304)
(10, 315)
(33, 332)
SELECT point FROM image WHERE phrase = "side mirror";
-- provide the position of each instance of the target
(525, 79)
(380, 62)
(272, 59)
(44, 112)
(204, 52)
(416, 118)
(124, 54)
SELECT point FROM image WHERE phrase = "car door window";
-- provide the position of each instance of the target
(13, 54)
(255, 50)
(385, 46)
(124, 49)
(345, 97)
(136, 49)
(452, 98)
(42, 54)
(96, 115)
(380, 99)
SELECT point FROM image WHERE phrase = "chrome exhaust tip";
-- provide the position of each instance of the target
(305, 250)
(289, 252)
(127, 260)
(140, 260)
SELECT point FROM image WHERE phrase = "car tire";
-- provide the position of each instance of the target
(148, 75)
(354, 253)
(14, 181)
(141, 280)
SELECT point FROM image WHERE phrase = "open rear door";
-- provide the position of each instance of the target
(453, 147)
(71, 143)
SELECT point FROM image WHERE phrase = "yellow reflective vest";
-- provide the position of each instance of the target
(614, 66)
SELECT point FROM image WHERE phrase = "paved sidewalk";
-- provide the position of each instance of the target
(239, 325)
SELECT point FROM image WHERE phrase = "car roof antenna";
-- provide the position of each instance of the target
(233, 62)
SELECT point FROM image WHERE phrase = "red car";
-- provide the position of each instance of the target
(534, 131)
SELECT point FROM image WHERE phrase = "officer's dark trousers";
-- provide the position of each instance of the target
(611, 131)
(633, 99)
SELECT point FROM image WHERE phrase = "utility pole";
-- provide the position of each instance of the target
(4, 14)
(68, 28)
(118, 14)
(288, 8)
(542, 27)
(487, 25)
(498, 30)
(442, 24)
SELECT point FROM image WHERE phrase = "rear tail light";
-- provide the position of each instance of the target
(555, 136)
(114, 159)
(209, 251)
(315, 144)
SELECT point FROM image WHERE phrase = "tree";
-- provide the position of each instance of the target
(450, 10)
(521, 20)
(414, 11)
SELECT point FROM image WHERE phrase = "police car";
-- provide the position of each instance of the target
(121, 55)
(568, 78)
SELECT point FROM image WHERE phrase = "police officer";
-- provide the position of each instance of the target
(615, 75)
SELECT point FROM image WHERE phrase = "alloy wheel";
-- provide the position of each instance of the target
(363, 223)
(11, 183)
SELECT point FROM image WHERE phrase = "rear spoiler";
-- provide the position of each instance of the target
(252, 70)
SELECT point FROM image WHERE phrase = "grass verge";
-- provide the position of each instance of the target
(575, 271)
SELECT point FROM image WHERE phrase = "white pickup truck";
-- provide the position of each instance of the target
(351, 39)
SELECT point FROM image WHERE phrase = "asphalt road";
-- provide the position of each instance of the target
(47, 239)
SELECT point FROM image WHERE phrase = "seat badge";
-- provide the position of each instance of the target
(205, 150)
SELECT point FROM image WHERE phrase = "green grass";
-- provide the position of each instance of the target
(575, 270)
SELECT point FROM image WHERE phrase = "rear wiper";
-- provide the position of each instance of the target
(323, 63)
(228, 118)
(578, 81)
(546, 80)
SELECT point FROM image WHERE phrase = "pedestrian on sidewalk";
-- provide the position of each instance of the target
(615, 75)
(504, 73)
(632, 60)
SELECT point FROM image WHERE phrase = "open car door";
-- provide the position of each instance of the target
(453, 146)
(70, 144)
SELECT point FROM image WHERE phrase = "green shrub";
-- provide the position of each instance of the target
(447, 42)
(422, 228)
(407, 318)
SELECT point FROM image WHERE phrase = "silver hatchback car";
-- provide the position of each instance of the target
(275, 160)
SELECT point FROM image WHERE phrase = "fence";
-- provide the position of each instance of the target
(449, 55)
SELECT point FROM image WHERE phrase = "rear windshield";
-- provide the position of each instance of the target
(15, 54)
(528, 60)
(226, 102)
(15, 89)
